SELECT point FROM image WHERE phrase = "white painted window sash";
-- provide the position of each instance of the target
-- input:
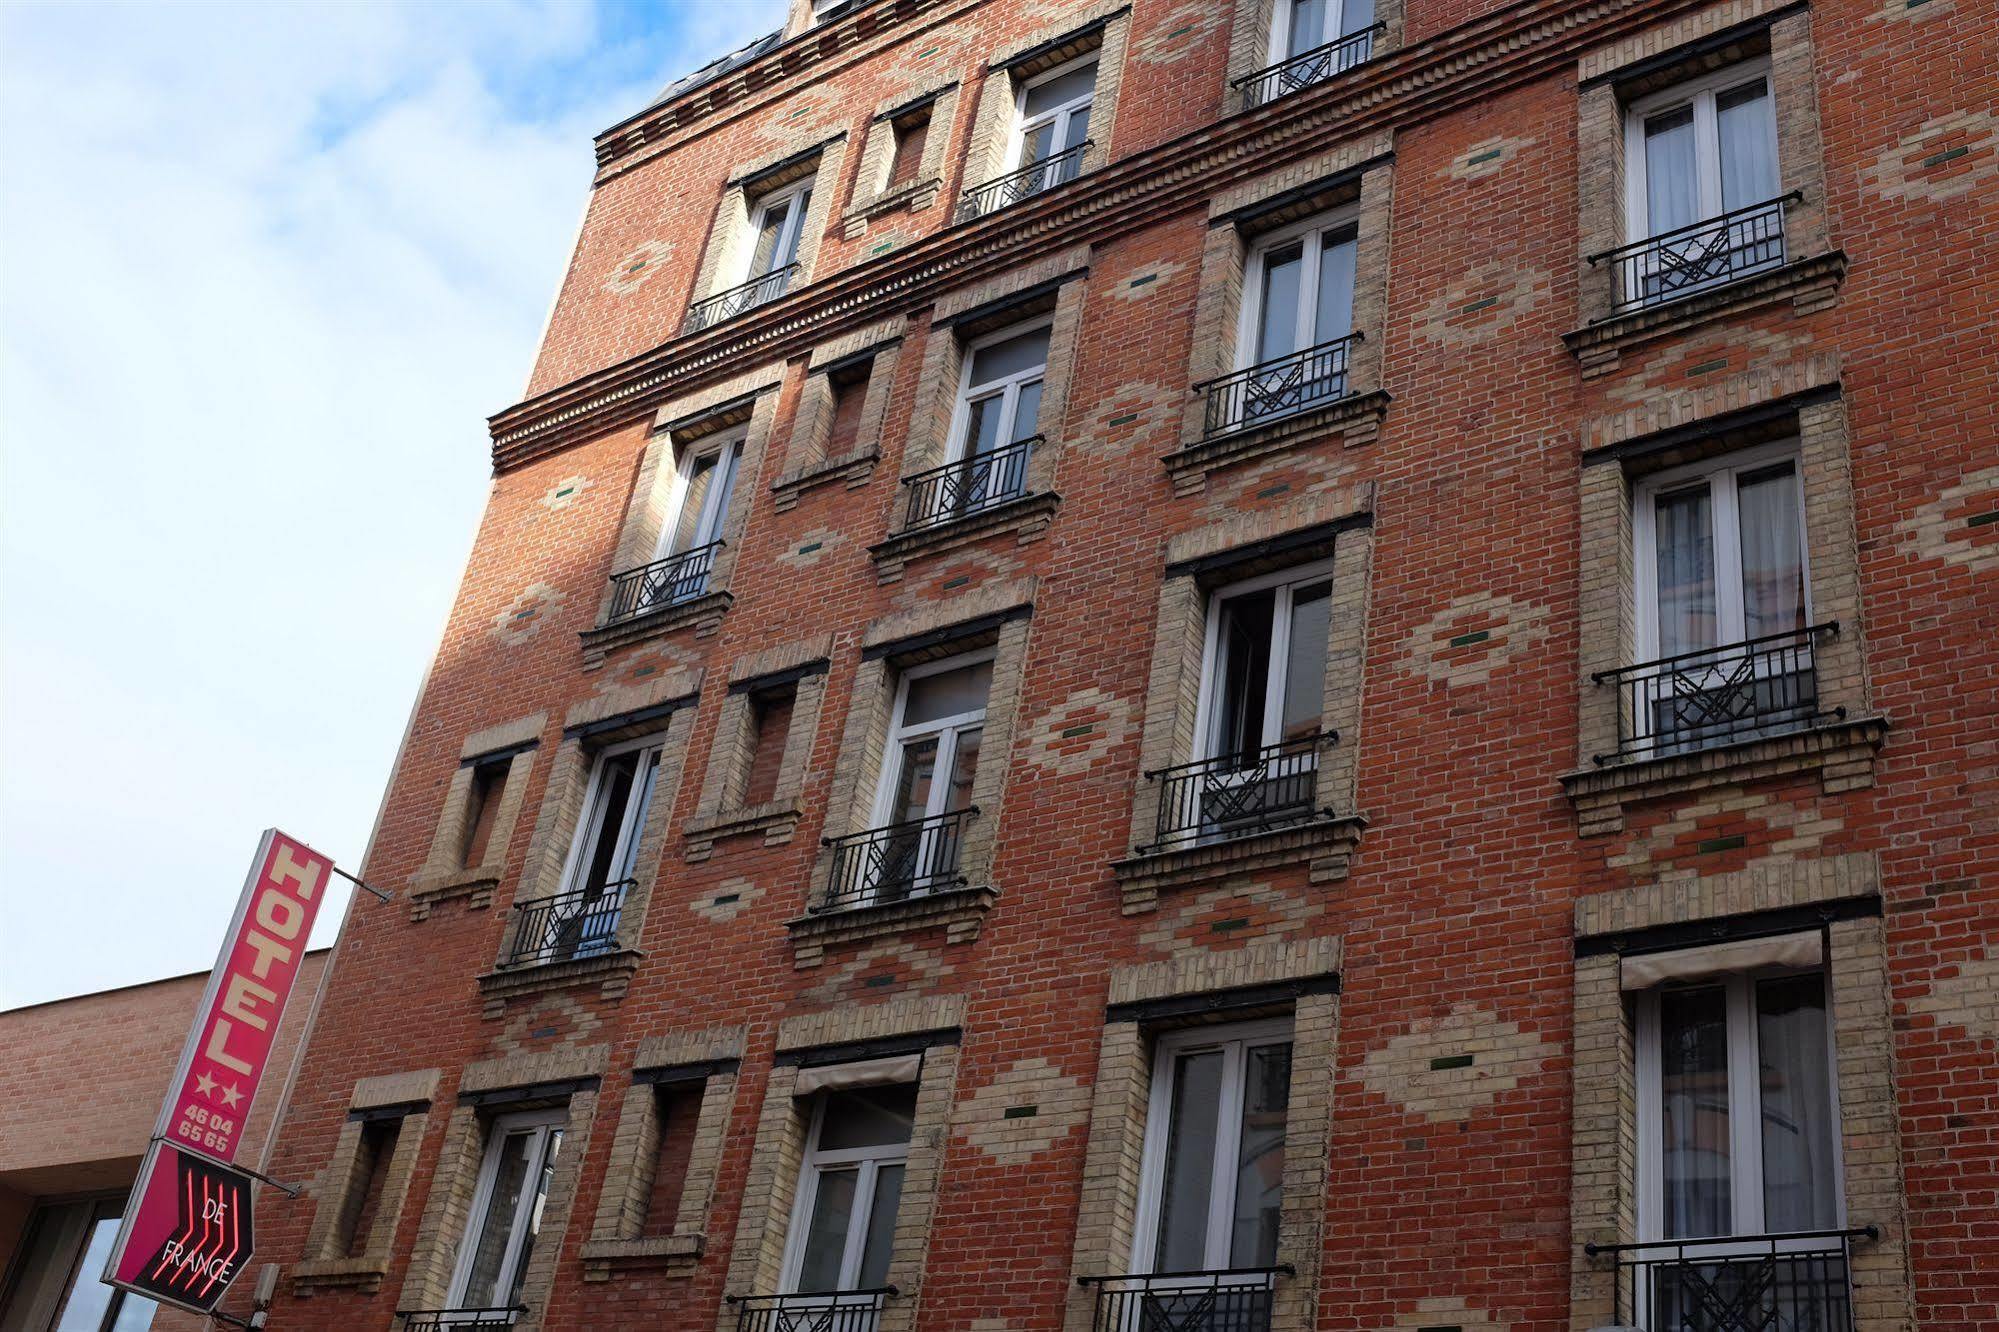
(785, 250)
(1312, 233)
(726, 448)
(946, 729)
(1007, 387)
(629, 820)
(1700, 94)
(1209, 713)
(869, 1162)
(541, 1126)
(1061, 116)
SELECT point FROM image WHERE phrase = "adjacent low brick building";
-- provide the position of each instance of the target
(1270, 663)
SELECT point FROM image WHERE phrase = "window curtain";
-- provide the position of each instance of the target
(1747, 128)
(1796, 1086)
(1683, 538)
(1773, 574)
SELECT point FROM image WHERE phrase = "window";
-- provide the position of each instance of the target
(582, 920)
(770, 728)
(1053, 121)
(704, 483)
(521, 1151)
(1211, 1190)
(55, 1286)
(850, 1189)
(1306, 25)
(776, 222)
(999, 410)
(1297, 313)
(489, 783)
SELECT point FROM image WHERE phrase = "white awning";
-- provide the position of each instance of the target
(860, 1073)
(1804, 949)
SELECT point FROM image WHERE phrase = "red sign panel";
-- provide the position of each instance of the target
(237, 1024)
(188, 1230)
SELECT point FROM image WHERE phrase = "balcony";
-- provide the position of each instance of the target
(1032, 179)
(1716, 696)
(968, 486)
(1762, 1283)
(745, 296)
(566, 927)
(895, 862)
(460, 1320)
(1267, 393)
(1700, 257)
(1238, 794)
(1306, 68)
(831, 1311)
(668, 582)
(1236, 1300)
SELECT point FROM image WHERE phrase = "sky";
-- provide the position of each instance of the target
(264, 271)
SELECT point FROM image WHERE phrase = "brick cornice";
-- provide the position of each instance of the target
(1465, 65)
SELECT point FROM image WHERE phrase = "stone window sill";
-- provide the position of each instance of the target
(959, 911)
(852, 468)
(1028, 517)
(476, 886)
(703, 612)
(1840, 752)
(1356, 419)
(1327, 844)
(612, 972)
(677, 1254)
(1809, 284)
(363, 1274)
(776, 820)
(915, 196)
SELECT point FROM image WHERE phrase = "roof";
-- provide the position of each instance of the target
(715, 69)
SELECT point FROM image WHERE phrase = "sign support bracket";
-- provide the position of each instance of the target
(381, 895)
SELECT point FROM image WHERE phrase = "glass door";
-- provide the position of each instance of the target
(521, 1151)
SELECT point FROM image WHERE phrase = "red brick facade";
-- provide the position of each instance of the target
(1477, 872)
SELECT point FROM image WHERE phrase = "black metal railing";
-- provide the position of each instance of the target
(567, 926)
(460, 1320)
(1717, 695)
(1237, 1299)
(744, 296)
(1238, 793)
(666, 582)
(1307, 67)
(1043, 174)
(900, 860)
(1277, 388)
(828, 1311)
(1699, 256)
(1795, 1282)
(962, 488)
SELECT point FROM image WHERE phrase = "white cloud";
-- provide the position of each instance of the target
(263, 272)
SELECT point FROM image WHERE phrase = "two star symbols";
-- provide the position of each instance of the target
(230, 1096)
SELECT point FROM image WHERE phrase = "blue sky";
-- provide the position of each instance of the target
(264, 269)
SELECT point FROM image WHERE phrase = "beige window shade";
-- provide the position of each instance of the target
(1805, 949)
(860, 1073)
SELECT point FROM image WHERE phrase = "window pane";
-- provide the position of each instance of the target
(1683, 533)
(1305, 661)
(90, 1298)
(1074, 132)
(1355, 15)
(496, 1227)
(1334, 316)
(964, 766)
(1027, 411)
(982, 424)
(1243, 659)
(1694, 1112)
(1672, 189)
(1277, 317)
(912, 784)
(826, 1229)
(1016, 355)
(763, 257)
(1067, 87)
(1747, 128)
(135, 1314)
(881, 1227)
(1190, 1163)
(1260, 1163)
(700, 475)
(1036, 143)
(948, 693)
(1308, 26)
(868, 1117)
(794, 227)
(1796, 1086)
(542, 1179)
(1773, 565)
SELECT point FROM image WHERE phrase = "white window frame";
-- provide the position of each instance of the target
(1236, 1038)
(789, 236)
(726, 448)
(948, 729)
(631, 824)
(1722, 474)
(1745, 1119)
(1007, 388)
(1207, 716)
(1280, 29)
(1060, 115)
(1700, 93)
(870, 1161)
(543, 1124)
(1313, 231)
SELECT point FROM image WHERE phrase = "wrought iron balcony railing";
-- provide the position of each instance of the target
(461, 1320)
(1717, 695)
(567, 926)
(1307, 68)
(749, 295)
(962, 488)
(1277, 388)
(1234, 1300)
(1700, 256)
(1235, 794)
(1757, 1283)
(1043, 174)
(900, 860)
(829, 1311)
(662, 583)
